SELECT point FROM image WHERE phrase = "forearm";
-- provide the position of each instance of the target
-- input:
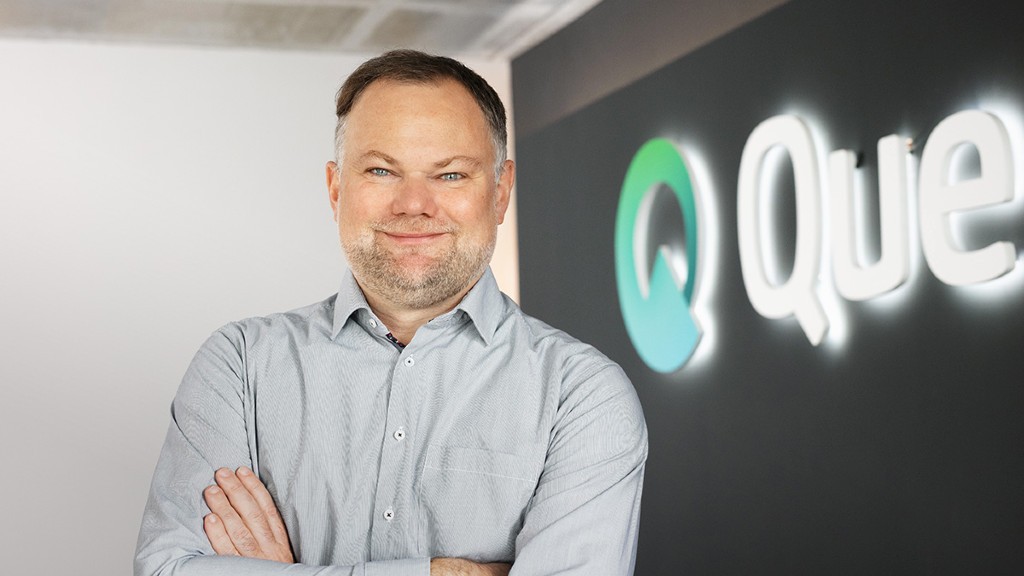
(172, 541)
(202, 565)
(236, 565)
(462, 567)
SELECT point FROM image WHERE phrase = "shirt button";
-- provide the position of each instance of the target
(400, 434)
(372, 323)
(409, 361)
(389, 514)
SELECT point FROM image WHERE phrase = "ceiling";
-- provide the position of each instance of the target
(465, 28)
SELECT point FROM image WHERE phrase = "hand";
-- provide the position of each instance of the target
(244, 519)
(463, 567)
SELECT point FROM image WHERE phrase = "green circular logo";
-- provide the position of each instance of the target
(655, 261)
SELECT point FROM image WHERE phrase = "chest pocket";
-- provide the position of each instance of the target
(472, 501)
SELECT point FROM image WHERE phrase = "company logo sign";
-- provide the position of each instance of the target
(656, 256)
(658, 231)
(942, 195)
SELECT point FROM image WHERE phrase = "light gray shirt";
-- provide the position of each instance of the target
(491, 436)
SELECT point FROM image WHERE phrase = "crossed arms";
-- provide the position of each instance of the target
(244, 521)
(580, 513)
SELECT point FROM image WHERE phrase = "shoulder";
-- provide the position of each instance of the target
(598, 410)
(311, 320)
(224, 359)
(582, 368)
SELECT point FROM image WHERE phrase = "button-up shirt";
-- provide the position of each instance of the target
(490, 436)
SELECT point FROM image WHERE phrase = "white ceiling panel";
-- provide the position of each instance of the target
(477, 28)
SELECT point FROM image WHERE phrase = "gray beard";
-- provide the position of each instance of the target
(377, 271)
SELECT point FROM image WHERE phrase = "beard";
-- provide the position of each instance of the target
(448, 272)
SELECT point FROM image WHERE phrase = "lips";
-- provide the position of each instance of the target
(412, 238)
(413, 235)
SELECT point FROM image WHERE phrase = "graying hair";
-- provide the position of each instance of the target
(417, 67)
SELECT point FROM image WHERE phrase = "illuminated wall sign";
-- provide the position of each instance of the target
(792, 296)
(659, 238)
(856, 280)
(656, 256)
(940, 196)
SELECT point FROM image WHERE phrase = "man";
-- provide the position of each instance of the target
(417, 422)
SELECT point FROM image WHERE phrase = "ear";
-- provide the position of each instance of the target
(504, 189)
(333, 186)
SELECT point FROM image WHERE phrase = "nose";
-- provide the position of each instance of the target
(414, 197)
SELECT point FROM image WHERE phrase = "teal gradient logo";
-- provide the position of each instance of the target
(656, 256)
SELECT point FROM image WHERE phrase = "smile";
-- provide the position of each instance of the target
(413, 238)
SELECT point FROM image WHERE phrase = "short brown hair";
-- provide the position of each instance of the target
(418, 67)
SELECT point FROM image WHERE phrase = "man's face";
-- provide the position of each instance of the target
(415, 196)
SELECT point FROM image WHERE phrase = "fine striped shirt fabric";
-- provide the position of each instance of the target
(490, 436)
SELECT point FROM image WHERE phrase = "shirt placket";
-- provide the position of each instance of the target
(393, 531)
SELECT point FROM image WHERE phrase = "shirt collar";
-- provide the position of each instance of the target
(350, 299)
(482, 304)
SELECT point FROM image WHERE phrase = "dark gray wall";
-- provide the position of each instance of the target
(613, 45)
(898, 452)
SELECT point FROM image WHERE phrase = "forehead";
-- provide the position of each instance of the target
(441, 97)
(391, 109)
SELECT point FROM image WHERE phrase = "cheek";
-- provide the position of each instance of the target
(349, 224)
(476, 213)
(353, 211)
(364, 204)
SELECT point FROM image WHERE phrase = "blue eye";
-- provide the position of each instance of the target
(451, 176)
(378, 171)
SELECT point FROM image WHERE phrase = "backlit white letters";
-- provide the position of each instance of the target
(797, 295)
(941, 194)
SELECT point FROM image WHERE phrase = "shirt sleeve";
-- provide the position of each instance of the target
(207, 432)
(584, 516)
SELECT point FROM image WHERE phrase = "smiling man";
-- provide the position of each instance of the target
(417, 422)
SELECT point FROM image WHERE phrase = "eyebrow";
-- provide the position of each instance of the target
(473, 162)
(376, 155)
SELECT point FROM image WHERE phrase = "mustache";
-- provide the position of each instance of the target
(415, 225)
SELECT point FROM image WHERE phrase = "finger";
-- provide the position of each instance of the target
(246, 507)
(218, 536)
(265, 501)
(239, 533)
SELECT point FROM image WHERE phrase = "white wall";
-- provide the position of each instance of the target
(147, 196)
